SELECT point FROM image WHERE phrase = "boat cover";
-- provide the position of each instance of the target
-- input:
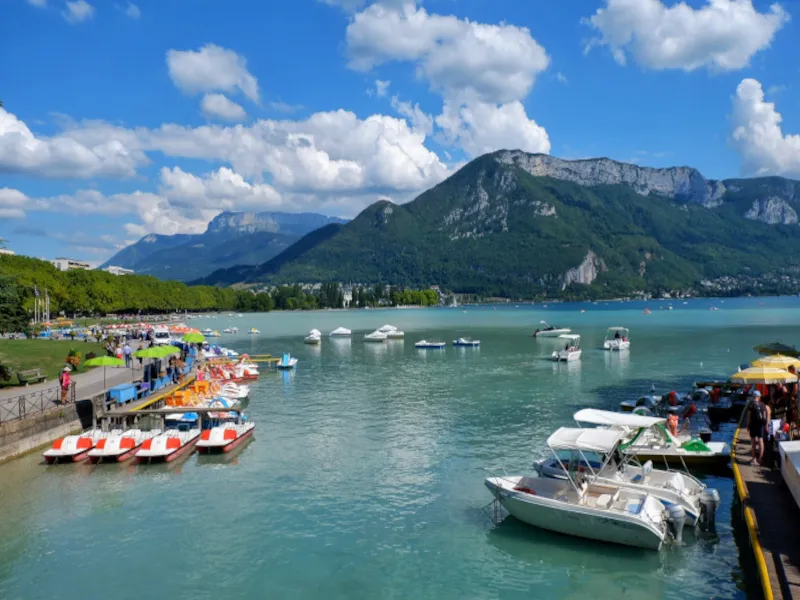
(591, 440)
(611, 419)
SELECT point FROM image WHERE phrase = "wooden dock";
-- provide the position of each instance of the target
(773, 521)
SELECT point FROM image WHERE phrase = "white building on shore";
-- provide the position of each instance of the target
(118, 270)
(69, 264)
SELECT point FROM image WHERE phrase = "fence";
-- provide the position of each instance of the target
(33, 403)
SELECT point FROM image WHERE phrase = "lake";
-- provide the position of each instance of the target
(365, 477)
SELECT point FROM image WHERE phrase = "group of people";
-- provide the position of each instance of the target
(778, 407)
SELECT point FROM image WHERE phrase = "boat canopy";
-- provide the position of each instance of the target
(569, 336)
(593, 440)
(611, 419)
(613, 329)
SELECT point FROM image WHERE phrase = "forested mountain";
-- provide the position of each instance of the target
(231, 239)
(511, 223)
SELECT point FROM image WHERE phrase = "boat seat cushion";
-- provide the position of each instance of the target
(603, 501)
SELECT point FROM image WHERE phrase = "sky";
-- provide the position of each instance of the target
(124, 119)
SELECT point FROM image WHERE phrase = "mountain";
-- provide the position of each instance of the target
(231, 239)
(511, 223)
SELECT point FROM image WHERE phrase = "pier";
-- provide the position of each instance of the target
(772, 520)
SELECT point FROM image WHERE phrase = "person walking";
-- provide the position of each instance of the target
(757, 421)
(65, 382)
(126, 350)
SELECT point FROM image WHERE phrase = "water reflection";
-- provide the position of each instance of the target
(341, 345)
(617, 361)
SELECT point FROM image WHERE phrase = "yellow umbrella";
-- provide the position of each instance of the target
(765, 375)
(777, 361)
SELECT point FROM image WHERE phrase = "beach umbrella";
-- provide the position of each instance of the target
(153, 352)
(164, 351)
(194, 338)
(764, 375)
(104, 361)
(777, 361)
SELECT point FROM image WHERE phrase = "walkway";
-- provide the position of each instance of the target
(776, 522)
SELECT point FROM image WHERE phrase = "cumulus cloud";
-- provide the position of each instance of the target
(219, 106)
(381, 87)
(211, 69)
(63, 156)
(132, 11)
(12, 203)
(757, 134)
(78, 11)
(222, 189)
(722, 35)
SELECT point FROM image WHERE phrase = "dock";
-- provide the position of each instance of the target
(772, 519)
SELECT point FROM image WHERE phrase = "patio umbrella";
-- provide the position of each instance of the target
(777, 361)
(765, 375)
(164, 351)
(153, 352)
(104, 361)
(194, 338)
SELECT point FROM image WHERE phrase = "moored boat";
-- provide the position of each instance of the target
(396, 335)
(572, 348)
(287, 361)
(340, 332)
(376, 337)
(426, 345)
(168, 446)
(225, 437)
(73, 448)
(617, 338)
(120, 445)
(386, 328)
(253, 331)
(314, 337)
(552, 331)
(467, 342)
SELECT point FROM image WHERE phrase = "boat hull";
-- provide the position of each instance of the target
(229, 447)
(67, 458)
(187, 448)
(551, 333)
(115, 458)
(564, 356)
(616, 345)
(571, 520)
(703, 461)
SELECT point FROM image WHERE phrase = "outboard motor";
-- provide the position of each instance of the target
(676, 518)
(709, 503)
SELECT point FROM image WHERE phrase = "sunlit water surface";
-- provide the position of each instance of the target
(365, 477)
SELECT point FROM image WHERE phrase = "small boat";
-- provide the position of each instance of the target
(582, 506)
(170, 444)
(286, 362)
(226, 436)
(426, 345)
(227, 330)
(340, 332)
(314, 337)
(550, 331)
(214, 333)
(572, 348)
(396, 335)
(647, 311)
(387, 328)
(376, 337)
(120, 445)
(234, 391)
(468, 342)
(617, 338)
(253, 331)
(234, 330)
(208, 332)
(73, 448)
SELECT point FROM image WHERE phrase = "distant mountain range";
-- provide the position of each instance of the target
(511, 223)
(232, 238)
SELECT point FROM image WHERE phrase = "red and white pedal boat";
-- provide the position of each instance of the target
(168, 446)
(73, 448)
(120, 445)
(224, 438)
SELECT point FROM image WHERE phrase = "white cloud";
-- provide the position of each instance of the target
(211, 69)
(132, 11)
(561, 78)
(62, 156)
(381, 87)
(348, 5)
(217, 105)
(78, 11)
(480, 128)
(758, 137)
(420, 120)
(38, 3)
(722, 35)
(283, 107)
(220, 190)
(12, 203)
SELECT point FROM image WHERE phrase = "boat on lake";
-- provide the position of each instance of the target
(120, 445)
(396, 335)
(340, 332)
(581, 506)
(171, 443)
(73, 448)
(287, 361)
(426, 345)
(253, 331)
(617, 338)
(376, 337)
(314, 337)
(572, 348)
(550, 331)
(466, 342)
(232, 432)
(387, 328)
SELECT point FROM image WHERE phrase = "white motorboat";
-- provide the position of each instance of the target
(120, 445)
(617, 338)
(550, 331)
(670, 487)
(314, 337)
(387, 328)
(340, 332)
(207, 332)
(287, 361)
(73, 448)
(227, 330)
(466, 342)
(572, 347)
(169, 445)
(583, 507)
(253, 331)
(426, 345)
(396, 335)
(234, 391)
(225, 437)
(655, 443)
(234, 330)
(376, 337)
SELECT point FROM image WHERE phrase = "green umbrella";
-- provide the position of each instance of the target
(165, 351)
(153, 352)
(194, 338)
(104, 361)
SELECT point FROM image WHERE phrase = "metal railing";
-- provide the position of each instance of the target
(33, 403)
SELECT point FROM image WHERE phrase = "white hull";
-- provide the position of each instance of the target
(567, 355)
(622, 526)
(719, 455)
(312, 340)
(287, 365)
(120, 445)
(163, 447)
(375, 337)
(616, 345)
(224, 437)
(396, 335)
(340, 332)
(550, 333)
(73, 448)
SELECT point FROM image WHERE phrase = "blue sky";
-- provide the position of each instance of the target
(122, 119)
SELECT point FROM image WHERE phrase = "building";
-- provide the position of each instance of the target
(118, 270)
(6, 251)
(69, 264)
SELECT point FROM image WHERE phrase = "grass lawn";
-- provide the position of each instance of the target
(46, 355)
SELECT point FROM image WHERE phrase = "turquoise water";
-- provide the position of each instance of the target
(365, 477)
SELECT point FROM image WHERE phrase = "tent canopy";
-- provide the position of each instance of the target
(606, 417)
(591, 440)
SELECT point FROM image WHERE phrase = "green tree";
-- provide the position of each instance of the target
(13, 317)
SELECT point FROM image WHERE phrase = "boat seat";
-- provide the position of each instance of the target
(646, 470)
(603, 501)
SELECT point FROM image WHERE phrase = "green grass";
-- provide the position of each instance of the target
(46, 355)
